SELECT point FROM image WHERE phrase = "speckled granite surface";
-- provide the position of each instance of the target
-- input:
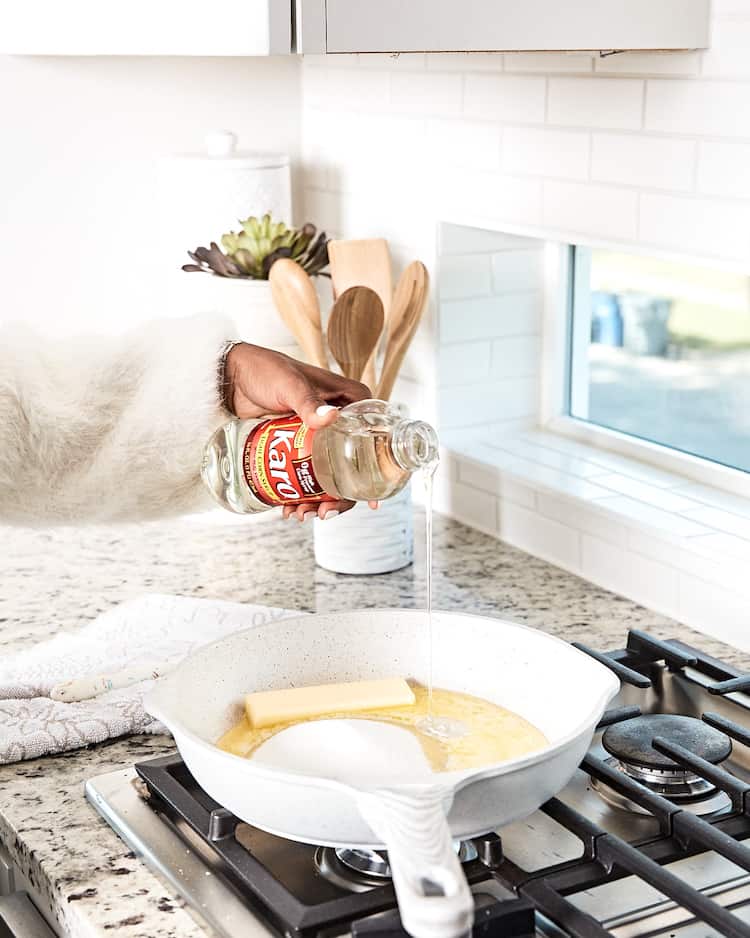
(57, 579)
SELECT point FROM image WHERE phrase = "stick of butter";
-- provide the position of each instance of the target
(268, 707)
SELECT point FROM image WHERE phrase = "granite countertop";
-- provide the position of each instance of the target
(58, 579)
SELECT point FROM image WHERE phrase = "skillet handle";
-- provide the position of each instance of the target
(434, 898)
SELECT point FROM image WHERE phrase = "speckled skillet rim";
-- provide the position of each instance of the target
(452, 781)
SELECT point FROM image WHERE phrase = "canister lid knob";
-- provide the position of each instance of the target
(221, 143)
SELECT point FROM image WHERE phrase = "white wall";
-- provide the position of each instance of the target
(78, 200)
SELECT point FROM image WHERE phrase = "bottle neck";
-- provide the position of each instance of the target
(414, 444)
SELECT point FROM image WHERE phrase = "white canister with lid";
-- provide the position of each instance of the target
(203, 195)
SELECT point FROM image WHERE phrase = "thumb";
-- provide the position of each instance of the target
(312, 407)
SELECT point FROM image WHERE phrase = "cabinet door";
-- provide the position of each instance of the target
(498, 25)
(147, 27)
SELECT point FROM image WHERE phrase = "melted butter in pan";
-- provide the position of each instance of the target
(493, 734)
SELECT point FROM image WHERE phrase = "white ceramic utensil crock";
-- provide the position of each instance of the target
(553, 685)
(364, 541)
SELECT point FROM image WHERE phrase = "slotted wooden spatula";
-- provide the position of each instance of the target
(354, 327)
(365, 263)
(409, 302)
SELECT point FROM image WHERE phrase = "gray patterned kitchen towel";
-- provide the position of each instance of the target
(152, 628)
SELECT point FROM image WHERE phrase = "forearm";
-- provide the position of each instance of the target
(102, 429)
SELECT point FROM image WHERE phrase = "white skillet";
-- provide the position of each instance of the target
(416, 818)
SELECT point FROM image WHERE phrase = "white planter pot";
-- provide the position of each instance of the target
(248, 302)
(364, 541)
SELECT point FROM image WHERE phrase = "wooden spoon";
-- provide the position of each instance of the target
(354, 327)
(409, 302)
(365, 263)
(297, 302)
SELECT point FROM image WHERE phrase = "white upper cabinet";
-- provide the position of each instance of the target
(501, 25)
(278, 27)
(147, 27)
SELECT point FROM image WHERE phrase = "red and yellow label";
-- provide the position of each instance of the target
(278, 462)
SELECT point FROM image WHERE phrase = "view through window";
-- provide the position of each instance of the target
(661, 350)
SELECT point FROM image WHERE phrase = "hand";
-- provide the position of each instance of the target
(259, 381)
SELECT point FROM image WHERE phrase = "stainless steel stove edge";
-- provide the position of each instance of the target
(208, 899)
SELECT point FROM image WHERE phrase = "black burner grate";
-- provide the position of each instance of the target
(281, 878)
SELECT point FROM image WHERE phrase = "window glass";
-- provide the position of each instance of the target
(661, 350)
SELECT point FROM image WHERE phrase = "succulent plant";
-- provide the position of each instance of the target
(251, 252)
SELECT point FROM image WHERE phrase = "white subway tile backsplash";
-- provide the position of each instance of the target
(714, 610)
(539, 151)
(698, 107)
(714, 545)
(543, 455)
(547, 477)
(700, 226)
(655, 584)
(586, 518)
(425, 93)
(354, 90)
(469, 505)
(548, 62)
(514, 356)
(456, 239)
(505, 97)
(540, 536)
(721, 520)
(662, 521)
(490, 480)
(464, 363)
(413, 61)
(716, 498)
(615, 103)
(593, 210)
(613, 462)
(724, 169)
(463, 143)
(649, 63)
(517, 271)
(729, 53)
(498, 198)
(465, 61)
(464, 276)
(726, 573)
(637, 160)
(491, 317)
(486, 402)
(643, 492)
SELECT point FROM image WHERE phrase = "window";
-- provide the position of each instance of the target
(660, 350)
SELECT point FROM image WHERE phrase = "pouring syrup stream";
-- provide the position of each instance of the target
(440, 727)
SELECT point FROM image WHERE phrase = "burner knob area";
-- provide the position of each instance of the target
(630, 741)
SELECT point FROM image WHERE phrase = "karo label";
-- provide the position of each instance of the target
(278, 462)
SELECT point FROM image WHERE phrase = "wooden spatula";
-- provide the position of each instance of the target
(365, 263)
(354, 327)
(297, 302)
(409, 302)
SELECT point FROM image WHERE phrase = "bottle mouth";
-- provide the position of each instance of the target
(415, 445)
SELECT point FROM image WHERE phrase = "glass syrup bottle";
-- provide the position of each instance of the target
(369, 453)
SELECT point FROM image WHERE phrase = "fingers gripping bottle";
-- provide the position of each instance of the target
(370, 452)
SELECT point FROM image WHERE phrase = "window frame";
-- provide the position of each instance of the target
(559, 346)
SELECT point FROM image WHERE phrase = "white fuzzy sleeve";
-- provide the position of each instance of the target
(103, 429)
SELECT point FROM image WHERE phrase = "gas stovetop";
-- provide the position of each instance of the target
(646, 839)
